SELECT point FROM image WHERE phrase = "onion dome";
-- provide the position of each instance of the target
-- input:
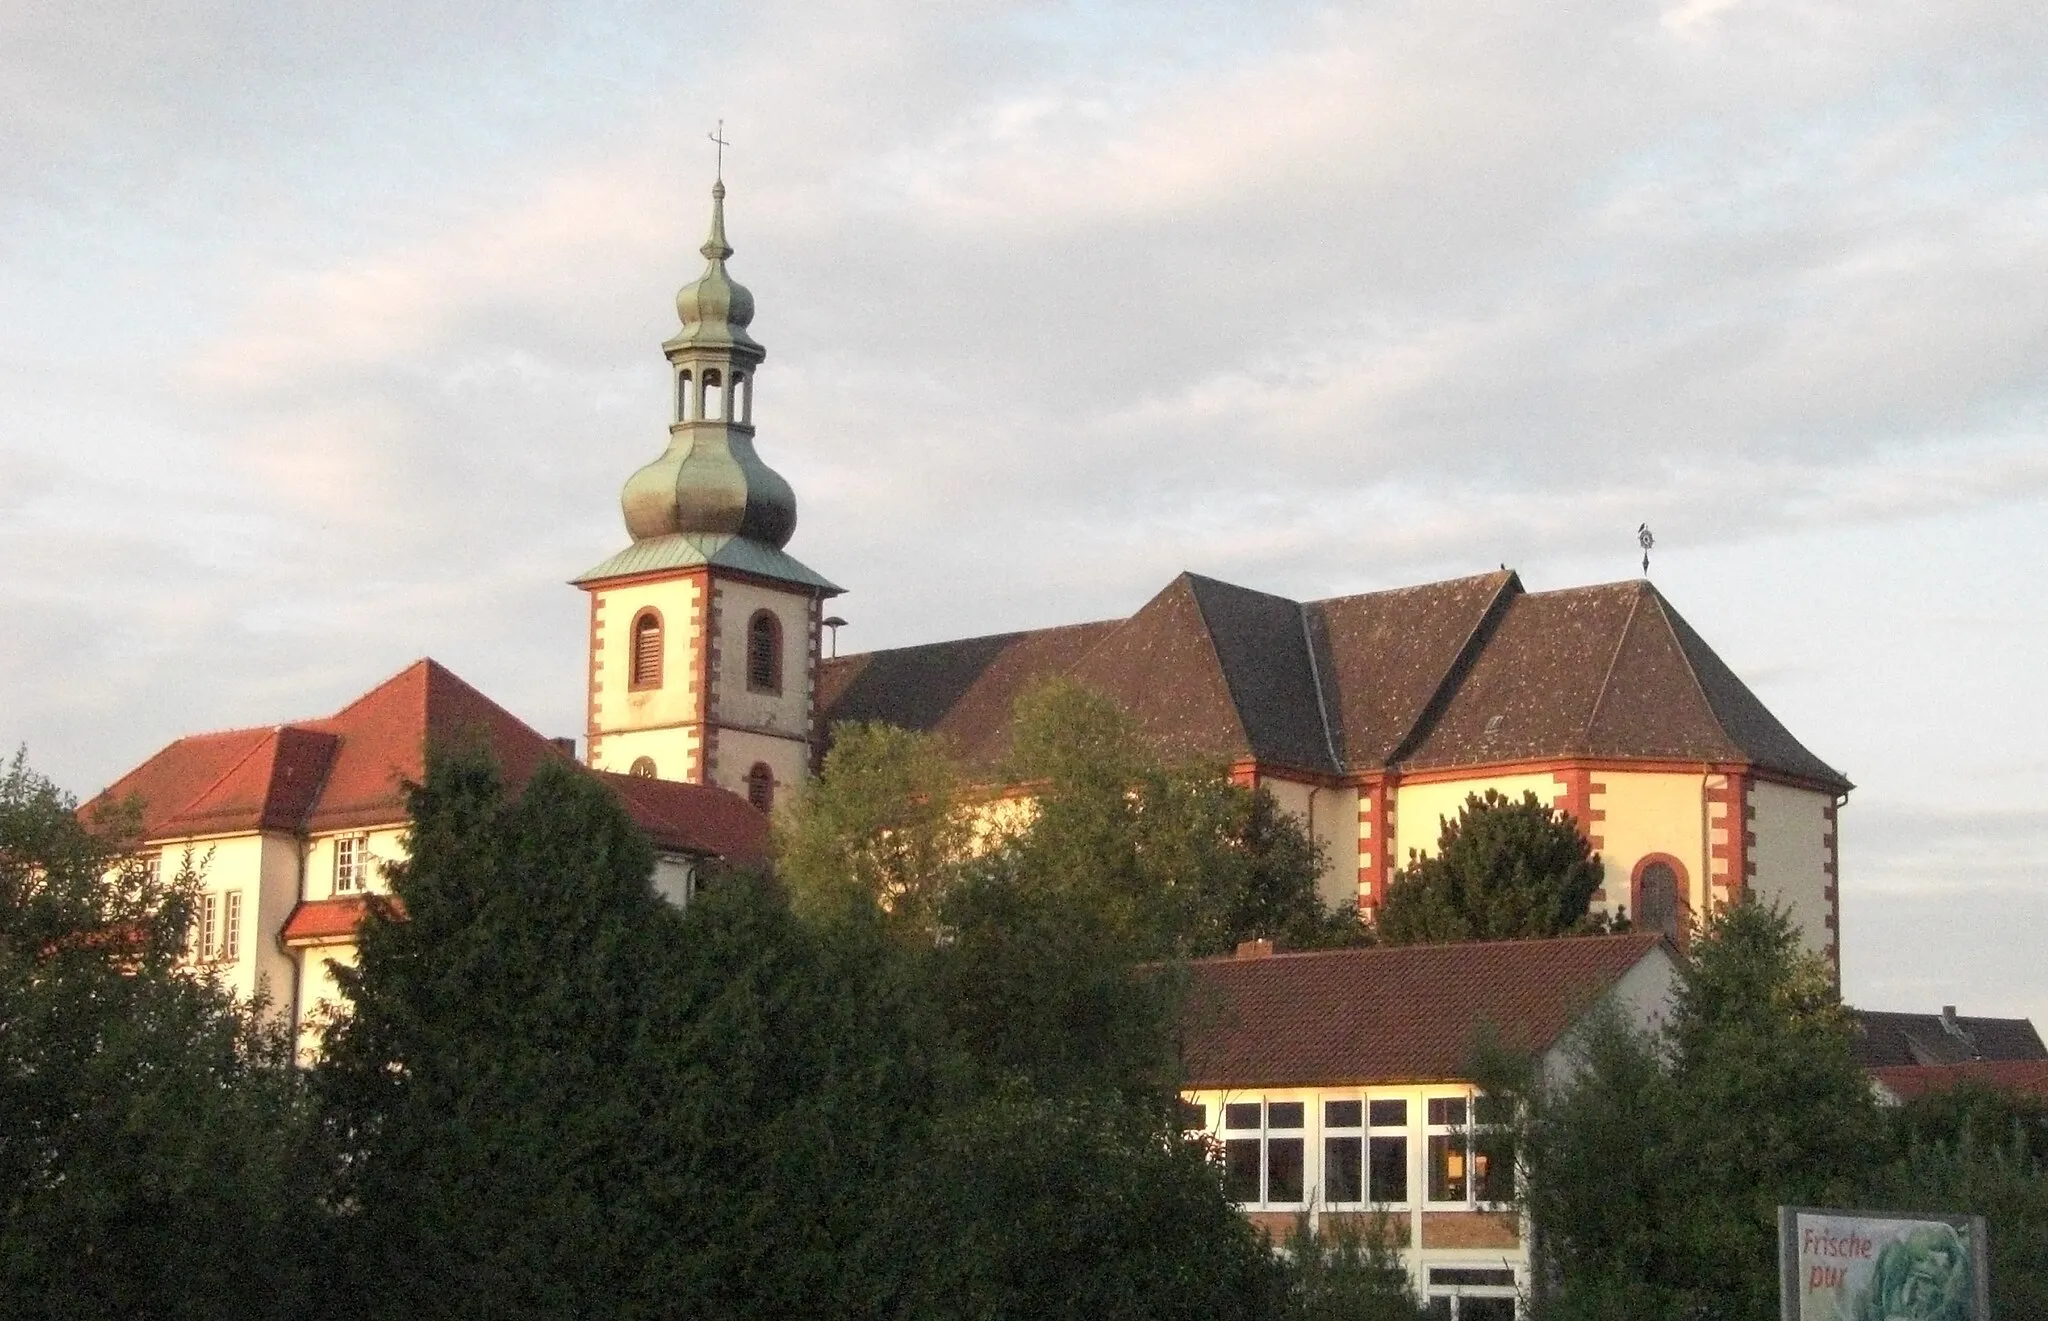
(710, 481)
(716, 309)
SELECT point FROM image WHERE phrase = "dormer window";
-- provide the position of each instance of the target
(764, 653)
(645, 665)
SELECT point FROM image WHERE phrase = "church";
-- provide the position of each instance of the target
(1370, 717)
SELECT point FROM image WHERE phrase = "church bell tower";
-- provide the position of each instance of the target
(704, 631)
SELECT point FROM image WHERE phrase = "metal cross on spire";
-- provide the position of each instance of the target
(718, 136)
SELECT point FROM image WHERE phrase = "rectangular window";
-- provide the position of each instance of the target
(209, 926)
(1449, 1150)
(1389, 1172)
(351, 863)
(152, 869)
(1194, 1116)
(1387, 1150)
(1343, 1169)
(1343, 1151)
(1241, 1169)
(1493, 1151)
(231, 926)
(1265, 1152)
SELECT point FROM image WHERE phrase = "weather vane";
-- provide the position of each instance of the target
(1645, 540)
(718, 135)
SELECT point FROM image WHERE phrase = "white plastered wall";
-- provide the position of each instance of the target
(1421, 809)
(1791, 856)
(386, 844)
(787, 712)
(738, 752)
(627, 723)
(1330, 816)
(320, 995)
(1650, 812)
(264, 870)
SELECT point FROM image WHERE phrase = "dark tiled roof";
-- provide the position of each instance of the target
(2014, 1077)
(1469, 672)
(1405, 1014)
(1391, 654)
(962, 689)
(1885, 1041)
(349, 771)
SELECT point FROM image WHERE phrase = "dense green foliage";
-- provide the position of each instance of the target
(1167, 860)
(146, 1162)
(1656, 1171)
(1347, 1271)
(558, 1096)
(1504, 870)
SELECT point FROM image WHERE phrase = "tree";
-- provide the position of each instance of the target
(1345, 1271)
(883, 830)
(1503, 870)
(484, 1096)
(556, 1095)
(1183, 861)
(147, 1121)
(1656, 1169)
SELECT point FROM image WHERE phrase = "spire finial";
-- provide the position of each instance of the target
(718, 135)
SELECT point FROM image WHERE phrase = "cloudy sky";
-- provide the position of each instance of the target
(328, 333)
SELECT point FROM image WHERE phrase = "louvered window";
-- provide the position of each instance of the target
(761, 786)
(646, 666)
(764, 653)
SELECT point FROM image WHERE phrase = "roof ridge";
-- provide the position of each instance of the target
(1215, 653)
(1414, 587)
(1607, 679)
(982, 637)
(1315, 675)
(1644, 938)
(1461, 662)
(269, 739)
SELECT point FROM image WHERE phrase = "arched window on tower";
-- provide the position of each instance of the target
(742, 398)
(764, 653)
(683, 397)
(642, 767)
(714, 395)
(644, 669)
(1660, 897)
(761, 787)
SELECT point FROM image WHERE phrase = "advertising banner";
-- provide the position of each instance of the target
(1882, 1266)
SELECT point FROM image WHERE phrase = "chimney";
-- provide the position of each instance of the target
(1255, 949)
(1948, 1019)
(566, 746)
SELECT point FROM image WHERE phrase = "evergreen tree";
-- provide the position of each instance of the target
(485, 1096)
(1503, 870)
(147, 1120)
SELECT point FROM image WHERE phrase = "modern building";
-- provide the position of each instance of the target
(1339, 1084)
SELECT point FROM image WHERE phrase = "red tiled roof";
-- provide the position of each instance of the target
(326, 921)
(2016, 1077)
(348, 771)
(692, 818)
(1404, 1014)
